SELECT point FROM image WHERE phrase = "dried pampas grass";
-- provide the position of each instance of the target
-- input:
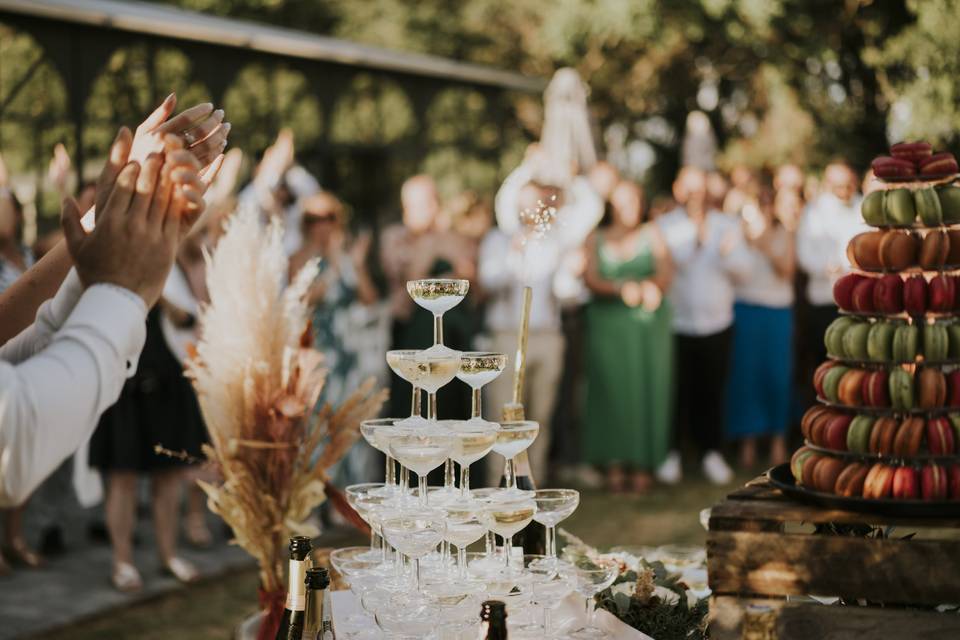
(258, 380)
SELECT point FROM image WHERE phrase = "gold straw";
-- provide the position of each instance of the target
(514, 410)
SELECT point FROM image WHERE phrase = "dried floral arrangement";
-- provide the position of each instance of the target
(645, 595)
(258, 380)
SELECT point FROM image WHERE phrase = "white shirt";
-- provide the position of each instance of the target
(762, 285)
(581, 212)
(504, 269)
(59, 375)
(702, 293)
(825, 229)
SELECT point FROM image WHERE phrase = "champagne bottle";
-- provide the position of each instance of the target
(533, 537)
(291, 624)
(317, 581)
(493, 621)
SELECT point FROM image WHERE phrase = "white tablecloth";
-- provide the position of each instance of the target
(570, 615)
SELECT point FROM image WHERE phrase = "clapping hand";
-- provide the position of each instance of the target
(203, 131)
(277, 158)
(59, 169)
(141, 221)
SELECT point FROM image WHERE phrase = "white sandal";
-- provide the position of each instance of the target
(182, 570)
(126, 578)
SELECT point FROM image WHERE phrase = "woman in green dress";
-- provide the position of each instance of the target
(629, 346)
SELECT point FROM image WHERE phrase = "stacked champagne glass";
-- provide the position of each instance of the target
(409, 582)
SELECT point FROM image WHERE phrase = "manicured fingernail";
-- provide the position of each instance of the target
(170, 97)
(218, 113)
(226, 127)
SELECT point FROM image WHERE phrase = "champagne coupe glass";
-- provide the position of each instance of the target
(376, 433)
(364, 498)
(512, 439)
(592, 580)
(550, 587)
(488, 563)
(464, 527)
(415, 534)
(403, 362)
(422, 451)
(472, 441)
(507, 517)
(477, 369)
(438, 295)
(360, 576)
(553, 507)
(439, 366)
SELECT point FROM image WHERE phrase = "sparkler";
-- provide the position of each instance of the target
(538, 222)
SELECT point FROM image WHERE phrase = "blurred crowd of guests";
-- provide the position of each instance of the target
(686, 322)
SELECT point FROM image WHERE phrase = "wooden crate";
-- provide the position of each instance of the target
(761, 548)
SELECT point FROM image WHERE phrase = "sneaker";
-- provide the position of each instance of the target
(716, 469)
(670, 472)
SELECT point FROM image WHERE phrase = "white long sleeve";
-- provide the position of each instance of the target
(825, 229)
(50, 317)
(50, 402)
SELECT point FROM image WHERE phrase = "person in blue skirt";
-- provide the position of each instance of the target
(759, 388)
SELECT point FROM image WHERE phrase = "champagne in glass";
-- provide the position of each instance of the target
(438, 295)
(506, 517)
(403, 362)
(439, 366)
(477, 369)
(472, 441)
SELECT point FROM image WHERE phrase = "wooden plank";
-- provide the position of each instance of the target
(788, 511)
(779, 564)
(782, 620)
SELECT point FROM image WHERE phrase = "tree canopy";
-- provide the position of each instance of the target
(781, 80)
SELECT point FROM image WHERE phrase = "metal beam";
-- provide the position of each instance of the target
(180, 24)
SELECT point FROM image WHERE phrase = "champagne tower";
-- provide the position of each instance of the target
(886, 432)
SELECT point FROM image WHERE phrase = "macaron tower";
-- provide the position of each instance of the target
(887, 426)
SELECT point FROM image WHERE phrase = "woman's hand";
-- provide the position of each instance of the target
(202, 130)
(652, 296)
(631, 292)
(59, 169)
(645, 294)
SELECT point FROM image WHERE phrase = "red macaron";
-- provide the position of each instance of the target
(887, 167)
(888, 294)
(953, 388)
(915, 295)
(862, 297)
(939, 164)
(843, 290)
(940, 439)
(914, 152)
(875, 391)
(941, 293)
(933, 482)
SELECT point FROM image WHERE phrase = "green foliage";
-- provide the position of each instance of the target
(781, 80)
(649, 613)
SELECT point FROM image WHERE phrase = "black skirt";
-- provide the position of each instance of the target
(158, 406)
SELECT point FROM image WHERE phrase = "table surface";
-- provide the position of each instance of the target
(570, 615)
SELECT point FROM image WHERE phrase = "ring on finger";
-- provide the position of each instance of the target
(189, 138)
